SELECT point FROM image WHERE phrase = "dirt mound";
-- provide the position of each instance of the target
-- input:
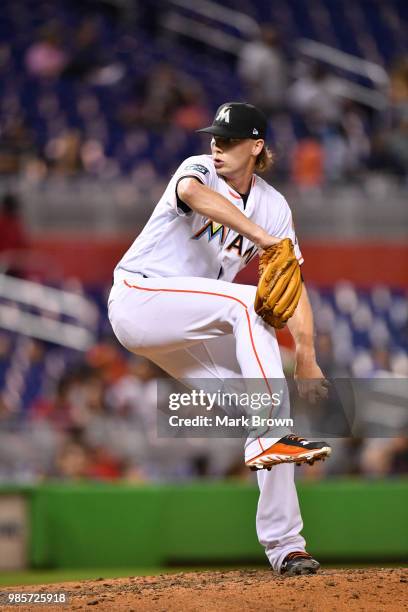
(251, 590)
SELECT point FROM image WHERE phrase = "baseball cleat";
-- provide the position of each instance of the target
(290, 449)
(299, 563)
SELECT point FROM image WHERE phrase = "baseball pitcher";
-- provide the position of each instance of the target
(174, 302)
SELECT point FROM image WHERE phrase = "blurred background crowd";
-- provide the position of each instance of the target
(114, 87)
(99, 103)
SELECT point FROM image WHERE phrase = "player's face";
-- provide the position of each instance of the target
(233, 156)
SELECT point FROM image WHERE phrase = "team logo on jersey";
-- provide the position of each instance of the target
(212, 230)
(224, 114)
(197, 168)
(238, 244)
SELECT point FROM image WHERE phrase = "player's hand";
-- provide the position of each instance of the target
(310, 381)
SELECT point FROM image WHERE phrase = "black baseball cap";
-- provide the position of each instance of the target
(238, 120)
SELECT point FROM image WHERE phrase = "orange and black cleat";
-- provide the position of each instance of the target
(290, 449)
(299, 563)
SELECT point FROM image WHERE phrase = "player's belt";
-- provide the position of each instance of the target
(138, 273)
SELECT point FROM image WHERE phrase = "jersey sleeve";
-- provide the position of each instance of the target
(198, 167)
(285, 228)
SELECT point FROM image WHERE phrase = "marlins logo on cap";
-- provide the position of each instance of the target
(238, 120)
(223, 114)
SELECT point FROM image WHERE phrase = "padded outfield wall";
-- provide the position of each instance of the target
(101, 525)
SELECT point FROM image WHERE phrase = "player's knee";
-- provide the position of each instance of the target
(244, 303)
(239, 314)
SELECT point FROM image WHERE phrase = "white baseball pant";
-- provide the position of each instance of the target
(202, 328)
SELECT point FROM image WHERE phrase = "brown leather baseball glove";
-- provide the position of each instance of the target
(280, 284)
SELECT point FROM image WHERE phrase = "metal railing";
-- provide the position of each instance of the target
(20, 297)
(375, 98)
(339, 59)
(246, 25)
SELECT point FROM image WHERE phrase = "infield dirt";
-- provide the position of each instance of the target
(251, 590)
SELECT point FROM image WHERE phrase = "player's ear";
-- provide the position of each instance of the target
(257, 146)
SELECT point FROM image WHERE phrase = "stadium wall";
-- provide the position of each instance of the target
(364, 263)
(103, 525)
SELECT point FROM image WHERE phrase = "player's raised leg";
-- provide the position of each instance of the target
(144, 313)
(278, 519)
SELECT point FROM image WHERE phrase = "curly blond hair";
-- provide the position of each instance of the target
(264, 160)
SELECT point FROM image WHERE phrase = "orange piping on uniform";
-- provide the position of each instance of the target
(237, 197)
(230, 297)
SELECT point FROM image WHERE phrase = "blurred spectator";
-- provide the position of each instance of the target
(79, 398)
(193, 112)
(165, 91)
(399, 88)
(134, 393)
(385, 456)
(336, 154)
(72, 461)
(109, 361)
(16, 144)
(103, 465)
(13, 234)
(347, 453)
(381, 362)
(76, 460)
(354, 127)
(390, 150)
(57, 410)
(330, 152)
(314, 95)
(308, 163)
(399, 456)
(9, 417)
(87, 53)
(89, 59)
(46, 57)
(264, 70)
(390, 142)
(63, 153)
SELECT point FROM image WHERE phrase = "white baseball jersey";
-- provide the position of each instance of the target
(177, 241)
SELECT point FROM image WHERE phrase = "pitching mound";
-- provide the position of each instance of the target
(361, 589)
